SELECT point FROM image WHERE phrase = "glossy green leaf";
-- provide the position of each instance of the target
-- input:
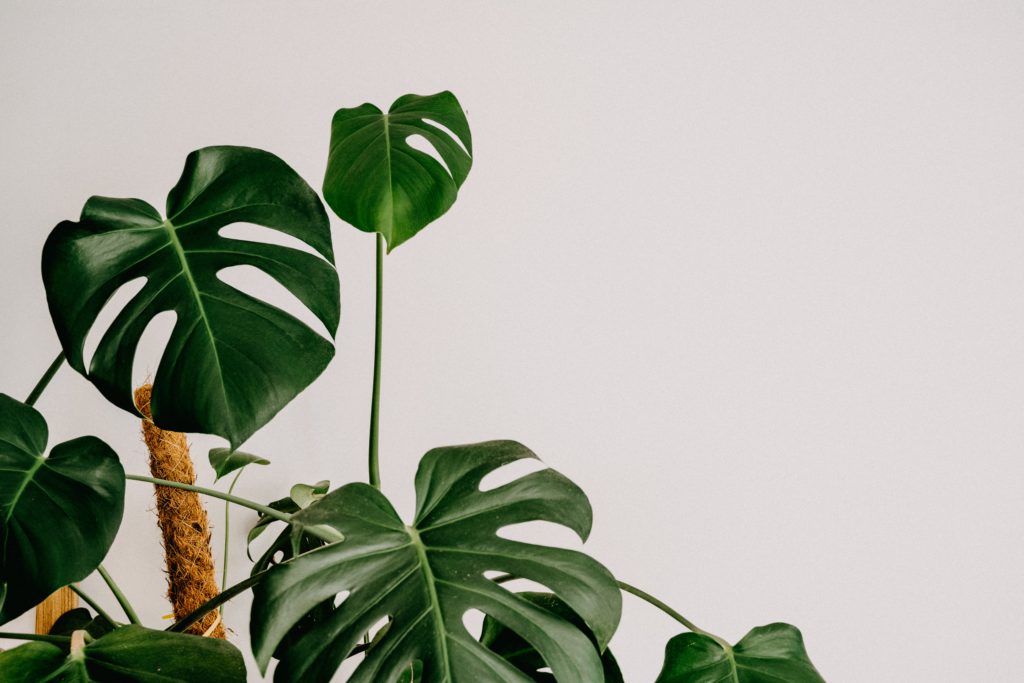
(232, 361)
(768, 654)
(225, 461)
(58, 515)
(525, 657)
(426, 576)
(132, 654)
(378, 182)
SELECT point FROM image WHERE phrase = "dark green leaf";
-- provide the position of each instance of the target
(58, 515)
(232, 361)
(425, 577)
(768, 654)
(378, 182)
(80, 619)
(524, 657)
(225, 461)
(132, 654)
(287, 504)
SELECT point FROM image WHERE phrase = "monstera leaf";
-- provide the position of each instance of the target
(378, 182)
(232, 361)
(768, 654)
(132, 653)
(225, 461)
(423, 578)
(524, 657)
(58, 515)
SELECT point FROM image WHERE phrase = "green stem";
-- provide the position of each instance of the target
(375, 401)
(92, 603)
(227, 536)
(57, 640)
(121, 599)
(216, 601)
(37, 391)
(268, 511)
(647, 597)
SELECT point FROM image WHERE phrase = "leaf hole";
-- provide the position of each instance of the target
(250, 232)
(473, 621)
(111, 308)
(506, 474)
(447, 131)
(542, 533)
(278, 557)
(257, 284)
(340, 598)
(151, 347)
(420, 144)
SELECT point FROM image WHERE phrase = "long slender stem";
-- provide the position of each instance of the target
(37, 391)
(121, 599)
(375, 401)
(647, 597)
(268, 511)
(57, 640)
(91, 602)
(216, 601)
(227, 535)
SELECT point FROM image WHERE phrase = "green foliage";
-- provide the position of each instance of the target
(378, 182)
(768, 654)
(131, 654)
(58, 515)
(426, 576)
(224, 461)
(523, 656)
(232, 361)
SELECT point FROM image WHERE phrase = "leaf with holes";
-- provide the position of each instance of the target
(768, 654)
(232, 361)
(425, 577)
(132, 653)
(58, 515)
(525, 657)
(378, 182)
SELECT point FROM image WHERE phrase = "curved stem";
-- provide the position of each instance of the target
(37, 391)
(375, 400)
(57, 640)
(268, 511)
(227, 536)
(216, 601)
(121, 599)
(92, 603)
(647, 597)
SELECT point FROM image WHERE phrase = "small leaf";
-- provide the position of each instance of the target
(524, 657)
(305, 495)
(768, 654)
(425, 577)
(232, 361)
(80, 619)
(129, 654)
(306, 492)
(226, 461)
(58, 515)
(378, 182)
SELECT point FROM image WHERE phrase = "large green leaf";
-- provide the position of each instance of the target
(232, 361)
(378, 182)
(425, 577)
(58, 515)
(768, 654)
(525, 657)
(132, 654)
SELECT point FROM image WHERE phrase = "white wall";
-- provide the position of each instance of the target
(749, 272)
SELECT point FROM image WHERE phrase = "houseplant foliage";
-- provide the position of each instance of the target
(343, 576)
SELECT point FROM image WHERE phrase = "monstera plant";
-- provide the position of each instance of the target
(345, 578)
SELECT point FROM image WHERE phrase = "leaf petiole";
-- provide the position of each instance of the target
(121, 599)
(37, 391)
(375, 399)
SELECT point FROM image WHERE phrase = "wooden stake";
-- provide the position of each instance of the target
(51, 609)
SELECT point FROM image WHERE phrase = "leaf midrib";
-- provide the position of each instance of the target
(435, 603)
(179, 251)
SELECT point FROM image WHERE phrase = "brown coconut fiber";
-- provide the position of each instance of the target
(182, 518)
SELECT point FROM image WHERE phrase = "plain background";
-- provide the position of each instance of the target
(749, 272)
